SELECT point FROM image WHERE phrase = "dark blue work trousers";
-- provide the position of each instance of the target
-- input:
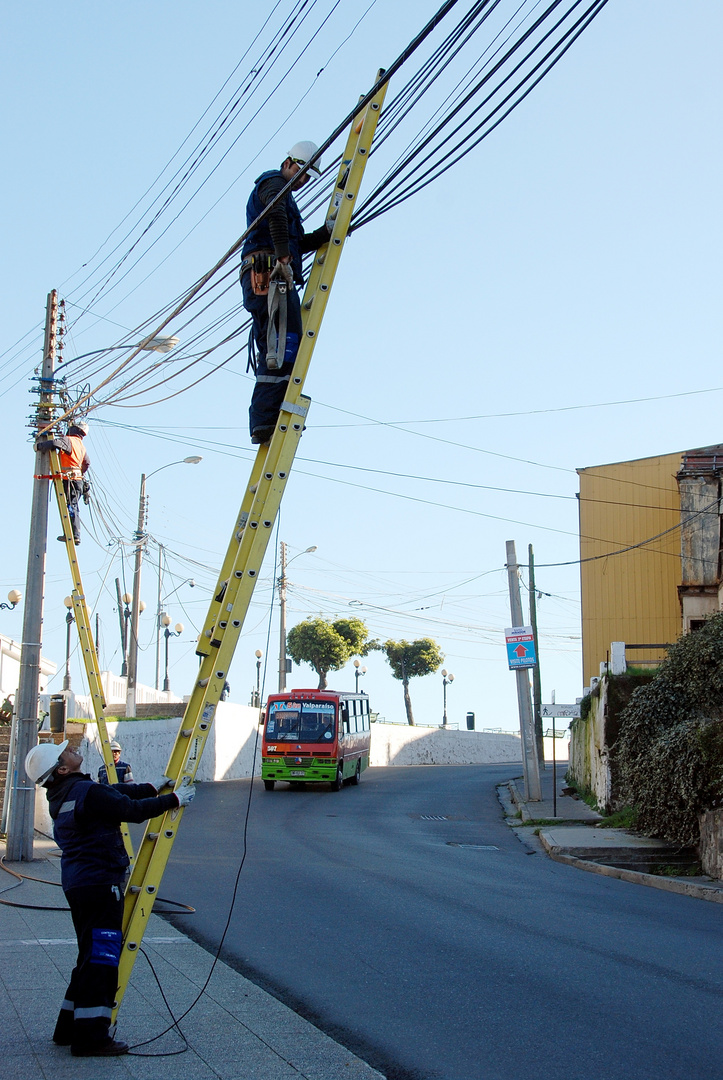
(270, 388)
(73, 490)
(85, 1014)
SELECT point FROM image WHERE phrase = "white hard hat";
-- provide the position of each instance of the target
(42, 759)
(300, 152)
(115, 745)
(80, 425)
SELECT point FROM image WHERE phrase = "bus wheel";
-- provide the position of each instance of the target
(356, 778)
(338, 783)
(269, 784)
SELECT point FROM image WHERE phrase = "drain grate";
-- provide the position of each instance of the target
(478, 847)
(433, 817)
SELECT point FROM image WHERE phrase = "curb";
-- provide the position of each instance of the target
(697, 890)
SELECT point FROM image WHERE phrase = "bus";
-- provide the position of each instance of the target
(315, 737)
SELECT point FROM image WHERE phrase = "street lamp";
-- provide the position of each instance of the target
(14, 597)
(282, 617)
(358, 672)
(158, 344)
(127, 599)
(69, 620)
(160, 612)
(140, 539)
(446, 678)
(257, 702)
(176, 632)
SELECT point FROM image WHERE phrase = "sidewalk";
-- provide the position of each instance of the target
(576, 839)
(235, 1032)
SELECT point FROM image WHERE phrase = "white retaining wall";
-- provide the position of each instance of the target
(228, 754)
(397, 744)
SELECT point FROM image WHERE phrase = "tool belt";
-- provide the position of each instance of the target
(260, 263)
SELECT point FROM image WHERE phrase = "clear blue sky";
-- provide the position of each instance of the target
(571, 260)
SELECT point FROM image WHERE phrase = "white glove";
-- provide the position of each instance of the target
(185, 795)
(283, 271)
(165, 781)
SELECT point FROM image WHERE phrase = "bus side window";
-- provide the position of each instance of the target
(345, 718)
(365, 714)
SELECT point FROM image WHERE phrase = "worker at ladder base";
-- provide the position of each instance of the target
(122, 768)
(94, 864)
(74, 464)
(270, 274)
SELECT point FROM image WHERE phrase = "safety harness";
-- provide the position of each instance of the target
(267, 280)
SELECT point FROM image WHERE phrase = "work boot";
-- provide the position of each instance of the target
(261, 434)
(108, 1048)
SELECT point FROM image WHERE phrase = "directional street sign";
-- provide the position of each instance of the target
(568, 712)
(520, 647)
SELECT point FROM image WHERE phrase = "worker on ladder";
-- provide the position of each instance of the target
(270, 273)
(74, 464)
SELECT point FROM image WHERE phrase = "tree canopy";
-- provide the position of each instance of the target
(327, 646)
(410, 660)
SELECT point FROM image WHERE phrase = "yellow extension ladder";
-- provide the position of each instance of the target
(87, 645)
(242, 563)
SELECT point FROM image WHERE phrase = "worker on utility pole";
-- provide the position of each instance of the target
(271, 271)
(74, 464)
(93, 867)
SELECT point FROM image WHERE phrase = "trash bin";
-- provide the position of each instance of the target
(58, 710)
(470, 721)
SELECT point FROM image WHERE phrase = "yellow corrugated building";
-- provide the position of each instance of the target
(631, 596)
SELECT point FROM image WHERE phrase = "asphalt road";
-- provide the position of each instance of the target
(406, 919)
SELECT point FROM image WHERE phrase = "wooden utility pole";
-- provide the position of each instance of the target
(536, 679)
(533, 791)
(21, 817)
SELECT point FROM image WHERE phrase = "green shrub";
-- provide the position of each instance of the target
(669, 751)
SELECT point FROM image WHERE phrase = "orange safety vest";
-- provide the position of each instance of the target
(70, 464)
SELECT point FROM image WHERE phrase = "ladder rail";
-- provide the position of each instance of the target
(87, 645)
(244, 557)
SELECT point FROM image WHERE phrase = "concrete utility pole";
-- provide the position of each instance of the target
(21, 818)
(533, 791)
(536, 678)
(282, 619)
(135, 607)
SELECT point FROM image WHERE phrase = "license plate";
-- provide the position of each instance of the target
(297, 772)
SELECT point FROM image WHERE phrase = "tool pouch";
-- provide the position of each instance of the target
(261, 267)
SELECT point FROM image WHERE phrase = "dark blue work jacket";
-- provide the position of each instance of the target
(259, 239)
(86, 826)
(93, 849)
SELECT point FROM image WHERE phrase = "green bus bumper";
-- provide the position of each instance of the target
(313, 773)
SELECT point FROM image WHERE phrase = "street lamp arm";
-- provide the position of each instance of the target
(193, 460)
(152, 344)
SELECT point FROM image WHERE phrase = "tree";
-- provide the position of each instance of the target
(326, 646)
(410, 659)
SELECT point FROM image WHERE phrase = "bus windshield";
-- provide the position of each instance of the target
(301, 721)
